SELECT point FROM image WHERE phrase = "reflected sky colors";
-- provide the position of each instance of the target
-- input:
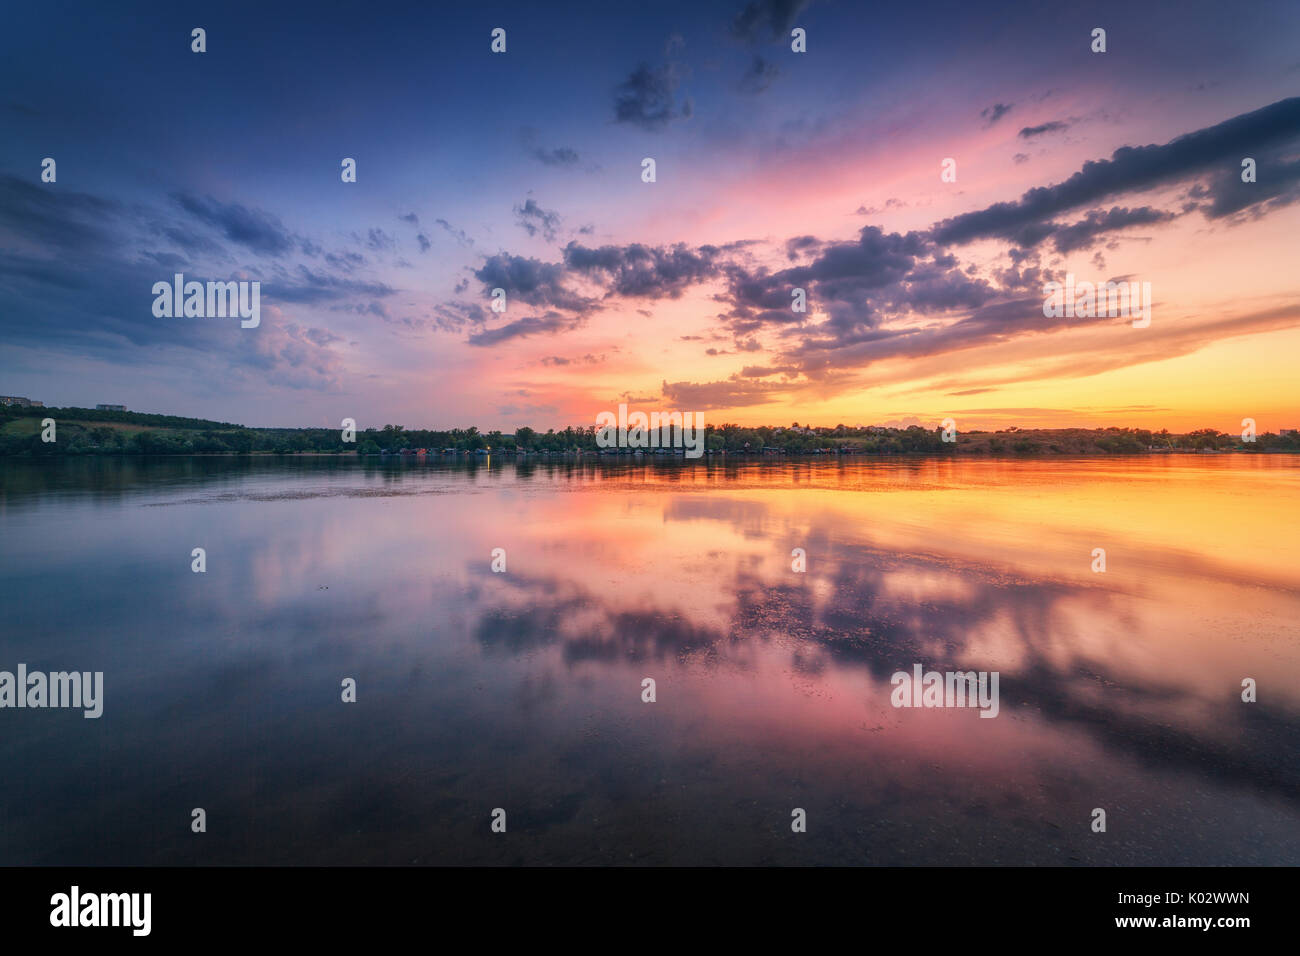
(522, 690)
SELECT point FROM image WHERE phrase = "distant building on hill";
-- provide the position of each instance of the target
(110, 408)
(20, 402)
(1283, 432)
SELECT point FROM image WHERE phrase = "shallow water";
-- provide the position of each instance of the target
(522, 690)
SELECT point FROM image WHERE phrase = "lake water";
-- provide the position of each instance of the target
(522, 690)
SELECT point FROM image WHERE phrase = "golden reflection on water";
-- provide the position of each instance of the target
(1119, 688)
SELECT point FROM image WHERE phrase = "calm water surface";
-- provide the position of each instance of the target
(522, 690)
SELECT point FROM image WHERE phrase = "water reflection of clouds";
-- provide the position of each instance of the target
(774, 685)
(862, 608)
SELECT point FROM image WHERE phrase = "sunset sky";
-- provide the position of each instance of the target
(775, 170)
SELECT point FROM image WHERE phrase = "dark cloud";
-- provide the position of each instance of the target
(559, 361)
(1085, 232)
(1277, 184)
(562, 156)
(379, 241)
(647, 98)
(641, 271)
(551, 322)
(83, 284)
(420, 237)
(63, 219)
(1055, 126)
(259, 231)
(851, 282)
(456, 316)
(73, 278)
(346, 261)
(801, 245)
(192, 242)
(995, 112)
(1133, 169)
(865, 294)
(764, 371)
(533, 219)
(311, 286)
(457, 234)
(823, 352)
(531, 281)
(766, 20)
(875, 211)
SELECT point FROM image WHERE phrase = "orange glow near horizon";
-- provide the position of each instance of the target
(1225, 328)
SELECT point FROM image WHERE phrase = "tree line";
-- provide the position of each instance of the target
(82, 431)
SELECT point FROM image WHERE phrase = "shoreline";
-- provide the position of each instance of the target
(708, 457)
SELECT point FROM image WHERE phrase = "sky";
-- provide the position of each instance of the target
(774, 170)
